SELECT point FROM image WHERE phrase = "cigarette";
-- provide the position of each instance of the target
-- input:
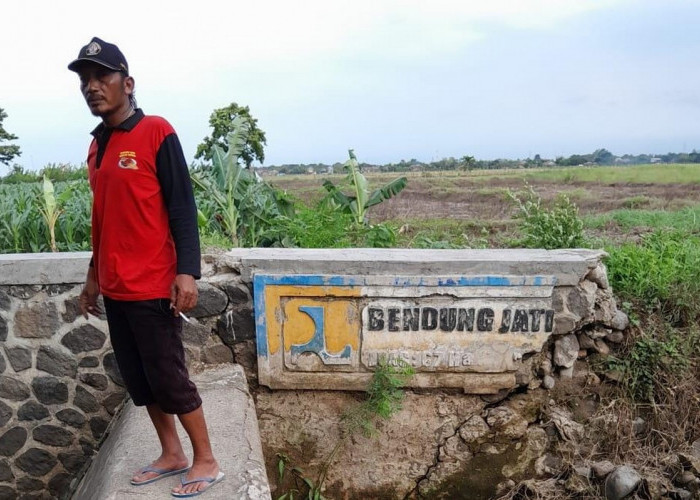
(182, 315)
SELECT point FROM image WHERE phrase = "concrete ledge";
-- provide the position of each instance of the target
(568, 266)
(233, 427)
(43, 268)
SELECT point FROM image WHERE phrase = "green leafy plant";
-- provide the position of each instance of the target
(242, 204)
(660, 273)
(651, 360)
(550, 228)
(360, 198)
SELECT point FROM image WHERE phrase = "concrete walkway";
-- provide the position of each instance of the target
(233, 426)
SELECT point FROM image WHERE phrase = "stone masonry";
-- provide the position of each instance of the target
(60, 386)
(59, 382)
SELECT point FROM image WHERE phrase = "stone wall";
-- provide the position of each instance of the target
(59, 387)
(59, 383)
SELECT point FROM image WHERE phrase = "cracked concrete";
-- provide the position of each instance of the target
(233, 427)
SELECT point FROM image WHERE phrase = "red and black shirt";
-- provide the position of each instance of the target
(144, 218)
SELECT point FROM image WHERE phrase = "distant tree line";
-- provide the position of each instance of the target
(598, 157)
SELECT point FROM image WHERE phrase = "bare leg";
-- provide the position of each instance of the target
(172, 455)
(203, 462)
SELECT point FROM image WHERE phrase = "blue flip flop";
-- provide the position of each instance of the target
(161, 474)
(211, 480)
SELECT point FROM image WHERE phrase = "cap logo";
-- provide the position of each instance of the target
(93, 49)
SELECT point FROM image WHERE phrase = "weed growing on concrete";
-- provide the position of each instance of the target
(384, 396)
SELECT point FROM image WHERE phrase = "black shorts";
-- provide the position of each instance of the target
(147, 343)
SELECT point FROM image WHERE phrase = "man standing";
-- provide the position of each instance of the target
(146, 259)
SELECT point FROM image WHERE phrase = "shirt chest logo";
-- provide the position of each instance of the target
(127, 160)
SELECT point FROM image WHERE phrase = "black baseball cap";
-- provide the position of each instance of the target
(101, 52)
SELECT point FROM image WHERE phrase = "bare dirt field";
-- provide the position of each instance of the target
(477, 204)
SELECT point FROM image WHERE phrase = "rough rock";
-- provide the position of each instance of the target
(211, 301)
(72, 461)
(620, 321)
(621, 482)
(548, 382)
(38, 320)
(31, 410)
(195, 334)
(112, 402)
(52, 360)
(96, 380)
(71, 417)
(605, 306)
(52, 435)
(566, 373)
(695, 448)
(685, 477)
(599, 276)
(23, 292)
(3, 329)
(50, 390)
(72, 309)
(12, 440)
(602, 347)
(7, 493)
(85, 338)
(599, 332)
(682, 494)
(602, 469)
(474, 429)
(506, 422)
(237, 293)
(5, 471)
(5, 414)
(564, 323)
(581, 300)
(98, 426)
(565, 351)
(236, 325)
(19, 357)
(585, 342)
(60, 484)
(85, 400)
(89, 362)
(13, 389)
(5, 302)
(217, 354)
(27, 483)
(111, 369)
(615, 337)
(582, 470)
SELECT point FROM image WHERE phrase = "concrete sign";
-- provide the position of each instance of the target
(330, 332)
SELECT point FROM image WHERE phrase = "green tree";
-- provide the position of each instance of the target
(7, 151)
(222, 123)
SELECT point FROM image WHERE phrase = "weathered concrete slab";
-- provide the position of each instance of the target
(330, 332)
(43, 268)
(233, 427)
(567, 266)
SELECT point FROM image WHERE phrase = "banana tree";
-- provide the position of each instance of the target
(360, 198)
(243, 204)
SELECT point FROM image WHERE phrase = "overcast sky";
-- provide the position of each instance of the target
(400, 79)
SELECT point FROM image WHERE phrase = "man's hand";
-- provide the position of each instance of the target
(88, 297)
(183, 293)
